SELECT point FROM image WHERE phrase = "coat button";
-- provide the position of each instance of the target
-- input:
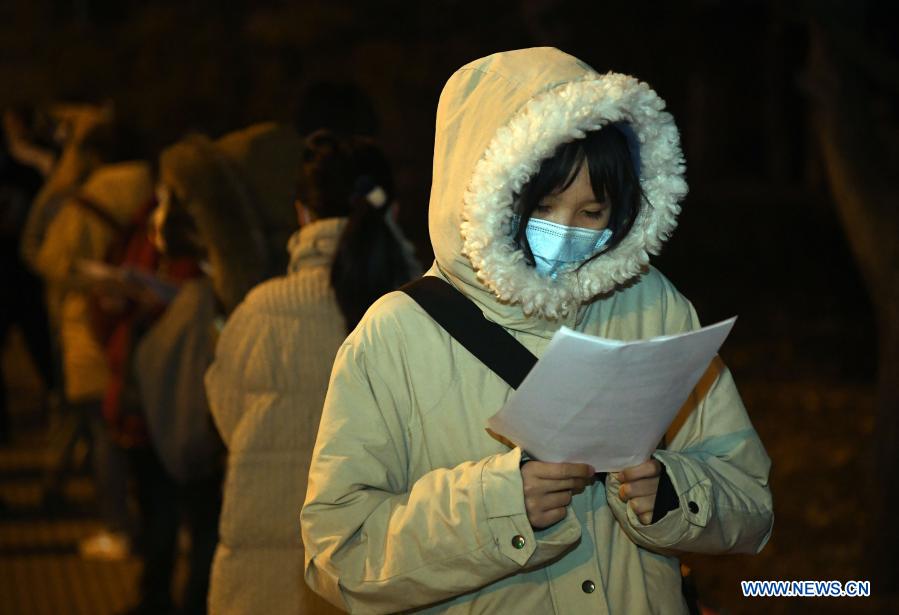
(518, 541)
(694, 507)
(588, 586)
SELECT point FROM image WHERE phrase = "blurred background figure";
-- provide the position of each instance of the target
(267, 385)
(68, 141)
(26, 158)
(88, 222)
(81, 132)
(226, 204)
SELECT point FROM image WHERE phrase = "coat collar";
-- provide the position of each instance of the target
(315, 244)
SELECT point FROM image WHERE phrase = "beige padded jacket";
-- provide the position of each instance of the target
(265, 390)
(411, 505)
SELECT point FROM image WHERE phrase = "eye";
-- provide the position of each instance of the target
(543, 208)
(596, 214)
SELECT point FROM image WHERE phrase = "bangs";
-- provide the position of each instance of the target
(556, 174)
(610, 163)
(612, 173)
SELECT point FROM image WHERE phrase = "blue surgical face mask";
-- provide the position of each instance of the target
(558, 248)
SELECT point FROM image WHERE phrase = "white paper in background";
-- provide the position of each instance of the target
(100, 271)
(606, 402)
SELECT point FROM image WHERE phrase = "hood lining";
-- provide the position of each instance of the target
(558, 115)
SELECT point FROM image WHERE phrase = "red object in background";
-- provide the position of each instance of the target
(121, 404)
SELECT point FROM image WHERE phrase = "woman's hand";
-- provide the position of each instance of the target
(639, 485)
(548, 488)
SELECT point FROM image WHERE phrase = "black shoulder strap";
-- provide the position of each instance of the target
(98, 212)
(460, 317)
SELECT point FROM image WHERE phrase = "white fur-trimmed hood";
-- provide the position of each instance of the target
(498, 118)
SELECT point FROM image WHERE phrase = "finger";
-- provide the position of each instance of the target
(565, 484)
(547, 518)
(562, 471)
(641, 487)
(637, 488)
(557, 471)
(570, 484)
(537, 502)
(644, 470)
(647, 469)
(645, 518)
(549, 501)
(536, 489)
(642, 505)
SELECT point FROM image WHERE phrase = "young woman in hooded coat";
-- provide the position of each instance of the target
(411, 504)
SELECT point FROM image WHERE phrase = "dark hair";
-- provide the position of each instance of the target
(613, 174)
(337, 177)
(325, 182)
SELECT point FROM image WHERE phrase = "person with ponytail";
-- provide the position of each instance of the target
(267, 384)
(372, 257)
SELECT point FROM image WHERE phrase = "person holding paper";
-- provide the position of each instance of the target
(552, 185)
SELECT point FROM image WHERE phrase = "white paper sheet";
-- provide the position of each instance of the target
(605, 402)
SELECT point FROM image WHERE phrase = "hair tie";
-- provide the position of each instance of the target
(376, 197)
(367, 188)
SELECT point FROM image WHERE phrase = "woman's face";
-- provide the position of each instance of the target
(172, 229)
(576, 205)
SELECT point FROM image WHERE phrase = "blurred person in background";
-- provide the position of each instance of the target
(26, 159)
(78, 130)
(89, 221)
(268, 382)
(153, 270)
(83, 136)
(74, 134)
(228, 205)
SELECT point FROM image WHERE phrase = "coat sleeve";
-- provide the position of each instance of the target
(719, 470)
(378, 540)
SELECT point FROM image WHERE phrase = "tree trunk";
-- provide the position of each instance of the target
(866, 194)
(882, 548)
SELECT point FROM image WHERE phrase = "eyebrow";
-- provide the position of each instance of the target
(592, 202)
(579, 203)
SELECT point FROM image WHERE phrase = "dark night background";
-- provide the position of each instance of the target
(761, 235)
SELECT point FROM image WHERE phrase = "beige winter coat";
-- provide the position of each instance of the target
(74, 235)
(411, 504)
(266, 389)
